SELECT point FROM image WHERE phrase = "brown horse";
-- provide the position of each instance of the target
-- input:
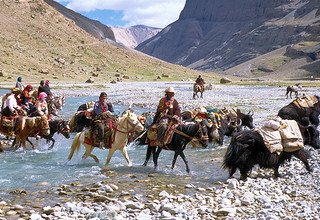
(197, 88)
(34, 126)
(293, 89)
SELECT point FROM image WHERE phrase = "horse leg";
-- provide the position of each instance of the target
(13, 143)
(156, 156)
(148, 155)
(174, 159)
(53, 141)
(110, 153)
(194, 95)
(88, 153)
(27, 139)
(185, 161)
(126, 156)
(202, 95)
(287, 93)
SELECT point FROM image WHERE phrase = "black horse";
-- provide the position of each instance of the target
(247, 149)
(293, 89)
(61, 126)
(293, 112)
(183, 134)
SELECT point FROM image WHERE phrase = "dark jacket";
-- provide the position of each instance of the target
(167, 109)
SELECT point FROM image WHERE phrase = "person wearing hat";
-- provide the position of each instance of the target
(19, 84)
(41, 106)
(168, 111)
(102, 105)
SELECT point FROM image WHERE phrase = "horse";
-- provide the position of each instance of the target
(197, 88)
(293, 111)
(183, 134)
(55, 104)
(61, 126)
(34, 126)
(293, 89)
(247, 148)
(125, 125)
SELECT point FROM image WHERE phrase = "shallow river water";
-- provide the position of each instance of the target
(42, 168)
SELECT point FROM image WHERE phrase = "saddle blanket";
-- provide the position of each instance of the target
(305, 101)
(281, 135)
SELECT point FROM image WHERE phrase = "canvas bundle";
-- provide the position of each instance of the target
(305, 101)
(152, 132)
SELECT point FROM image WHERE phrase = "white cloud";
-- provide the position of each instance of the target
(156, 13)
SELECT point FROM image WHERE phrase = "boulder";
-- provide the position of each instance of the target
(225, 80)
(89, 80)
(264, 68)
(2, 74)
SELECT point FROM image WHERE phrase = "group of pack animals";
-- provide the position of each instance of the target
(246, 149)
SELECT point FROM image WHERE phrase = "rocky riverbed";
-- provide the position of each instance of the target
(161, 195)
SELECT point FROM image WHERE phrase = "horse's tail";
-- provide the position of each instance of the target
(75, 145)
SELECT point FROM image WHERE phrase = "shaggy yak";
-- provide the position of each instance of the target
(293, 112)
(247, 149)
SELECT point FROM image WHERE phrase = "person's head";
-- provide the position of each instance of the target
(103, 96)
(47, 82)
(199, 76)
(169, 92)
(42, 96)
(42, 82)
(29, 87)
(19, 79)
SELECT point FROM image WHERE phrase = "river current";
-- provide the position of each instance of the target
(43, 168)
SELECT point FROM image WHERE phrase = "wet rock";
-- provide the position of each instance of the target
(232, 183)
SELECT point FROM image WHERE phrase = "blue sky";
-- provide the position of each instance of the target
(124, 13)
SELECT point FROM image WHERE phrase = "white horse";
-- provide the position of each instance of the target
(125, 125)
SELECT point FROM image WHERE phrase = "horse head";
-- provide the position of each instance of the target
(202, 134)
(64, 129)
(132, 122)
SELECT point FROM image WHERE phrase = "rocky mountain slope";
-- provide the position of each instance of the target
(93, 27)
(38, 42)
(132, 36)
(217, 35)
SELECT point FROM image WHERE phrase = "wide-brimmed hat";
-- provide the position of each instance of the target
(170, 89)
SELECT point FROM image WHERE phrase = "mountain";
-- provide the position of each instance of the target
(132, 36)
(38, 42)
(218, 35)
(93, 27)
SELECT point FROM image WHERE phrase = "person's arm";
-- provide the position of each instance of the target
(12, 104)
(110, 107)
(96, 108)
(46, 112)
(176, 109)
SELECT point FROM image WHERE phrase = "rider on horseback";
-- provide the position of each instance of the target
(200, 82)
(168, 114)
(102, 105)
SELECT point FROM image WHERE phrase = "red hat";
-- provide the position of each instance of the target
(47, 82)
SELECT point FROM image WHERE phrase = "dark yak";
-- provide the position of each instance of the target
(247, 149)
(299, 114)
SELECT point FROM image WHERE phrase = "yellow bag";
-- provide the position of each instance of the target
(152, 132)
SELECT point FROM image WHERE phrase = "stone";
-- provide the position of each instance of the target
(89, 80)
(225, 80)
(44, 71)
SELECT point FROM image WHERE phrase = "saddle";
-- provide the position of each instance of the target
(281, 135)
(305, 101)
(152, 135)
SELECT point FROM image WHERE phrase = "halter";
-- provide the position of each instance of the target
(128, 131)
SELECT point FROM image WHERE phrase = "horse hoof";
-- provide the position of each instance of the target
(130, 164)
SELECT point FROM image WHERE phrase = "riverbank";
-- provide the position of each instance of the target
(293, 196)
